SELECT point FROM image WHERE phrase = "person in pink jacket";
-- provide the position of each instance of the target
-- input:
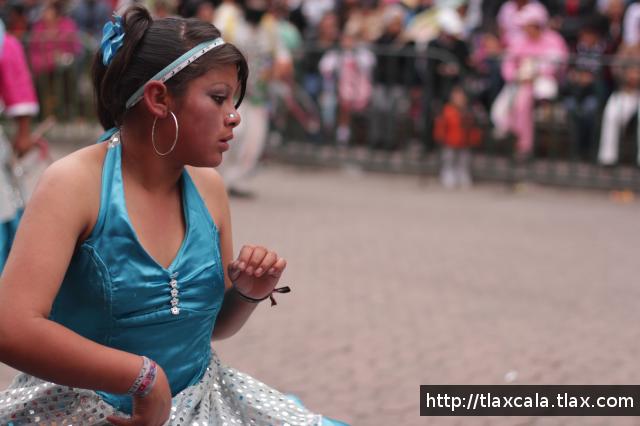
(54, 40)
(507, 19)
(18, 101)
(533, 62)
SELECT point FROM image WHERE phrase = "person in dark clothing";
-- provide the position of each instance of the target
(325, 39)
(91, 15)
(569, 16)
(585, 88)
(447, 63)
(392, 78)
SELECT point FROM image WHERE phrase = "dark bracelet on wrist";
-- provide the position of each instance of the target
(268, 296)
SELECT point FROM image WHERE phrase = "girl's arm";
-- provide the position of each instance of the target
(235, 310)
(63, 206)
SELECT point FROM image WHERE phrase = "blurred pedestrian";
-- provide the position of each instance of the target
(90, 16)
(447, 64)
(349, 69)
(54, 47)
(622, 105)
(20, 103)
(390, 101)
(507, 20)
(447, 56)
(203, 10)
(584, 89)
(256, 35)
(54, 41)
(457, 131)
(325, 38)
(533, 64)
(569, 16)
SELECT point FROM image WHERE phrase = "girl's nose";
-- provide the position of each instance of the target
(232, 119)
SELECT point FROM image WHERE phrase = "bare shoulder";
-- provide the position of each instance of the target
(73, 182)
(212, 190)
(79, 171)
(81, 163)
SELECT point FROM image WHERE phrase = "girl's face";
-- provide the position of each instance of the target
(203, 114)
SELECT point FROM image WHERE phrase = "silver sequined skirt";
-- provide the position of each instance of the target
(224, 396)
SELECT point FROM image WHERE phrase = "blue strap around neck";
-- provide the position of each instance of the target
(107, 134)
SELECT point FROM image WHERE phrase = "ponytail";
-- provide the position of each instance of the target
(108, 80)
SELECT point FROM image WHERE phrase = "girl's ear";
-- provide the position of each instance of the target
(157, 99)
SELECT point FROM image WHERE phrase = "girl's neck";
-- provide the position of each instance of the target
(141, 164)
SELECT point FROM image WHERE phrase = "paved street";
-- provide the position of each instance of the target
(398, 283)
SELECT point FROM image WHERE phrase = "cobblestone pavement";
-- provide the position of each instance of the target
(398, 283)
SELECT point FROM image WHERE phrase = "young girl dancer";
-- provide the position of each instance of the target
(123, 262)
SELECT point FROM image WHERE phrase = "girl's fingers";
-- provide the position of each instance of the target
(256, 259)
(278, 268)
(244, 257)
(234, 271)
(267, 263)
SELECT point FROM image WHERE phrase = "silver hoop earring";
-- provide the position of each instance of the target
(153, 136)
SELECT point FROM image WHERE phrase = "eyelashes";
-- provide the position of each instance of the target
(219, 99)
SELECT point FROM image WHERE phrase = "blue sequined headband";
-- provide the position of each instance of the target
(113, 38)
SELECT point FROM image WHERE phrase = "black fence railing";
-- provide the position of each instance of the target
(394, 131)
(389, 123)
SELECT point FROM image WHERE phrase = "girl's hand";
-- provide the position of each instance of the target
(151, 410)
(256, 271)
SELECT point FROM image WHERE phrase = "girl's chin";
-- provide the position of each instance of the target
(208, 161)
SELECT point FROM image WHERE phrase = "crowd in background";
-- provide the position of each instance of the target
(442, 66)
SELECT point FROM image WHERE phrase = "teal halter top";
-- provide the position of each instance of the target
(116, 294)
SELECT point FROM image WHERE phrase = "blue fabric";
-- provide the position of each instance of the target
(116, 294)
(112, 40)
(108, 134)
(7, 233)
(326, 421)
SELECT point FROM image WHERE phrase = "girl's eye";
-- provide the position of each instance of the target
(219, 99)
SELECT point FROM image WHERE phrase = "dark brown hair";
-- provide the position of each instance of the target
(149, 46)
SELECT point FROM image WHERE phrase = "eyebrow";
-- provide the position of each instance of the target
(220, 83)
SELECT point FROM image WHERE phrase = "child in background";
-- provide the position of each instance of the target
(349, 72)
(456, 130)
(585, 88)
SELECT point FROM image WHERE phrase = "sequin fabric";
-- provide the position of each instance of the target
(223, 397)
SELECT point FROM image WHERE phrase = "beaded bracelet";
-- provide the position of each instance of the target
(268, 296)
(145, 380)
